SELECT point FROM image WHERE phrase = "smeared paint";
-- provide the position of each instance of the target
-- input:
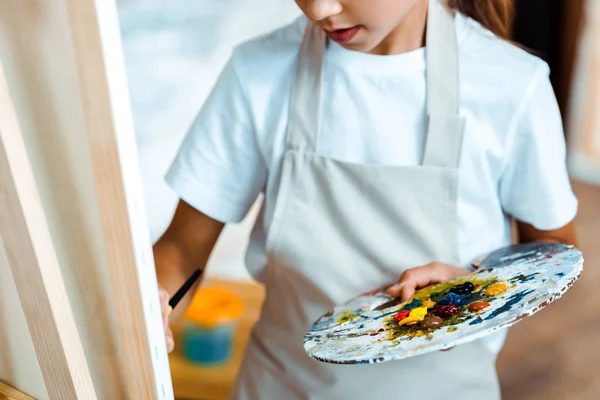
(352, 341)
(495, 289)
(523, 278)
(413, 304)
(386, 315)
(347, 316)
(512, 300)
(436, 292)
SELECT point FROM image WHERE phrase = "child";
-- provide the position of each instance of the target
(392, 139)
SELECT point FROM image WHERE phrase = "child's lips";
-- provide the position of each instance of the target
(343, 35)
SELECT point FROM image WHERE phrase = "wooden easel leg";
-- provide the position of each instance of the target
(35, 267)
(10, 393)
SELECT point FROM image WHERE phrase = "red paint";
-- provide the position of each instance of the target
(343, 35)
(447, 311)
(401, 315)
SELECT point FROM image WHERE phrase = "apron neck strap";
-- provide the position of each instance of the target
(442, 61)
(304, 124)
(445, 125)
(445, 130)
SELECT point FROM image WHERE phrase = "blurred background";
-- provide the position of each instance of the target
(174, 52)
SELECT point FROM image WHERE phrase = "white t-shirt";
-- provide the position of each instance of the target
(513, 157)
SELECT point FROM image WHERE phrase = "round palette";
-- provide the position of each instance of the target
(517, 282)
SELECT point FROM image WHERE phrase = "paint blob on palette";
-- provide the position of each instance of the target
(517, 282)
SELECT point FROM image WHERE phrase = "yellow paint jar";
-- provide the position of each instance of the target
(210, 324)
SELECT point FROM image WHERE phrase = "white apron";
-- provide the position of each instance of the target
(341, 229)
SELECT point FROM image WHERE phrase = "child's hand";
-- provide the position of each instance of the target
(415, 278)
(166, 311)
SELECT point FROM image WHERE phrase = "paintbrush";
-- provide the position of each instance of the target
(184, 288)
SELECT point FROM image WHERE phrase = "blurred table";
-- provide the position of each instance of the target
(192, 382)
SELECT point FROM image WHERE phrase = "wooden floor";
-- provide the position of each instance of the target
(555, 354)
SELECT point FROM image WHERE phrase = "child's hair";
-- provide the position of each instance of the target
(495, 15)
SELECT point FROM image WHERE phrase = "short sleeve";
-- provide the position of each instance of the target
(535, 186)
(219, 169)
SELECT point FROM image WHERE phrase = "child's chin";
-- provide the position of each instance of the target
(359, 46)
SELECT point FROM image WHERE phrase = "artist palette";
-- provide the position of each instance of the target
(518, 282)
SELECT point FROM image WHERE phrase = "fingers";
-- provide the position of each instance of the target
(415, 278)
(170, 340)
(419, 277)
(165, 307)
(166, 312)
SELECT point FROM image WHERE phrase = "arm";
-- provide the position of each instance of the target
(528, 233)
(185, 246)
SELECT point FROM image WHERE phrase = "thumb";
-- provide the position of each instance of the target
(170, 340)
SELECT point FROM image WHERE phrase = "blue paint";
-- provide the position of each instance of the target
(512, 300)
(560, 274)
(476, 321)
(453, 298)
(524, 278)
(386, 314)
(413, 304)
(362, 326)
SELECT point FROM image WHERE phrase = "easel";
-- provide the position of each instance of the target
(28, 240)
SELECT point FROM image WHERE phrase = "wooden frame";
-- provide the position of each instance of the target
(9, 393)
(100, 77)
(35, 268)
(103, 82)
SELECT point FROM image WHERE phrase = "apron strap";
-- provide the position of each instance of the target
(445, 125)
(304, 123)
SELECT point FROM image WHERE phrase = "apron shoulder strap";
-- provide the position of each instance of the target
(305, 105)
(445, 125)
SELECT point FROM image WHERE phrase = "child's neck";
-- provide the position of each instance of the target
(408, 35)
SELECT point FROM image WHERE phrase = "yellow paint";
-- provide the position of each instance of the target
(420, 333)
(452, 329)
(416, 315)
(495, 289)
(214, 306)
(347, 316)
(428, 303)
